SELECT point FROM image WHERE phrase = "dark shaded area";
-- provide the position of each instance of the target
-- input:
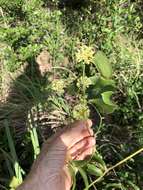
(94, 116)
(14, 8)
(24, 93)
(72, 11)
(73, 4)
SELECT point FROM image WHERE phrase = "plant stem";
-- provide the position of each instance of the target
(2, 14)
(65, 69)
(83, 75)
(3, 187)
(115, 166)
(34, 136)
(13, 153)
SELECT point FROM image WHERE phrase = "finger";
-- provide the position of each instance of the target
(86, 124)
(68, 179)
(89, 125)
(82, 145)
(68, 136)
(77, 132)
(86, 153)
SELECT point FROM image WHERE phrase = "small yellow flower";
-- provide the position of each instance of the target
(85, 53)
(81, 111)
(58, 85)
(83, 81)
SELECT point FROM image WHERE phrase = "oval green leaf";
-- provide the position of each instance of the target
(104, 108)
(103, 65)
(106, 97)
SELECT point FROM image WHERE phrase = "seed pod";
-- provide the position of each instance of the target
(98, 165)
(84, 177)
(93, 170)
(96, 157)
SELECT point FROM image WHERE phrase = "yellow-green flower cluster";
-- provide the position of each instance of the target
(58, 85)
(81, 111)
(83, 81)
(85, 54)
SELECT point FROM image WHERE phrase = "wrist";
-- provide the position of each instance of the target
(29, 184)
(41, 183)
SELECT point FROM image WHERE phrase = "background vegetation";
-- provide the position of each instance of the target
(59, 29)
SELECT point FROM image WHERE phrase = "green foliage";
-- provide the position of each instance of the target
(103, 44)
(18, 171)
(95, 166)
(103, 65)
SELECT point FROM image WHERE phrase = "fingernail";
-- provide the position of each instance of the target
(91, 132)
(89, 123)
(93, 141)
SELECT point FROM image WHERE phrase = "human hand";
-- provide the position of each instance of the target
(50, 170)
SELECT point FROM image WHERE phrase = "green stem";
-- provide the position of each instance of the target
(4, 18)
(115, 166)
(65, 69)
(3, 187)
(34, 136)
(13, 153)
(83, 75)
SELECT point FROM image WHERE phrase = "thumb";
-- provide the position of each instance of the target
(77, 131)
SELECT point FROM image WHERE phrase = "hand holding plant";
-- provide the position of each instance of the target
(50, 170)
